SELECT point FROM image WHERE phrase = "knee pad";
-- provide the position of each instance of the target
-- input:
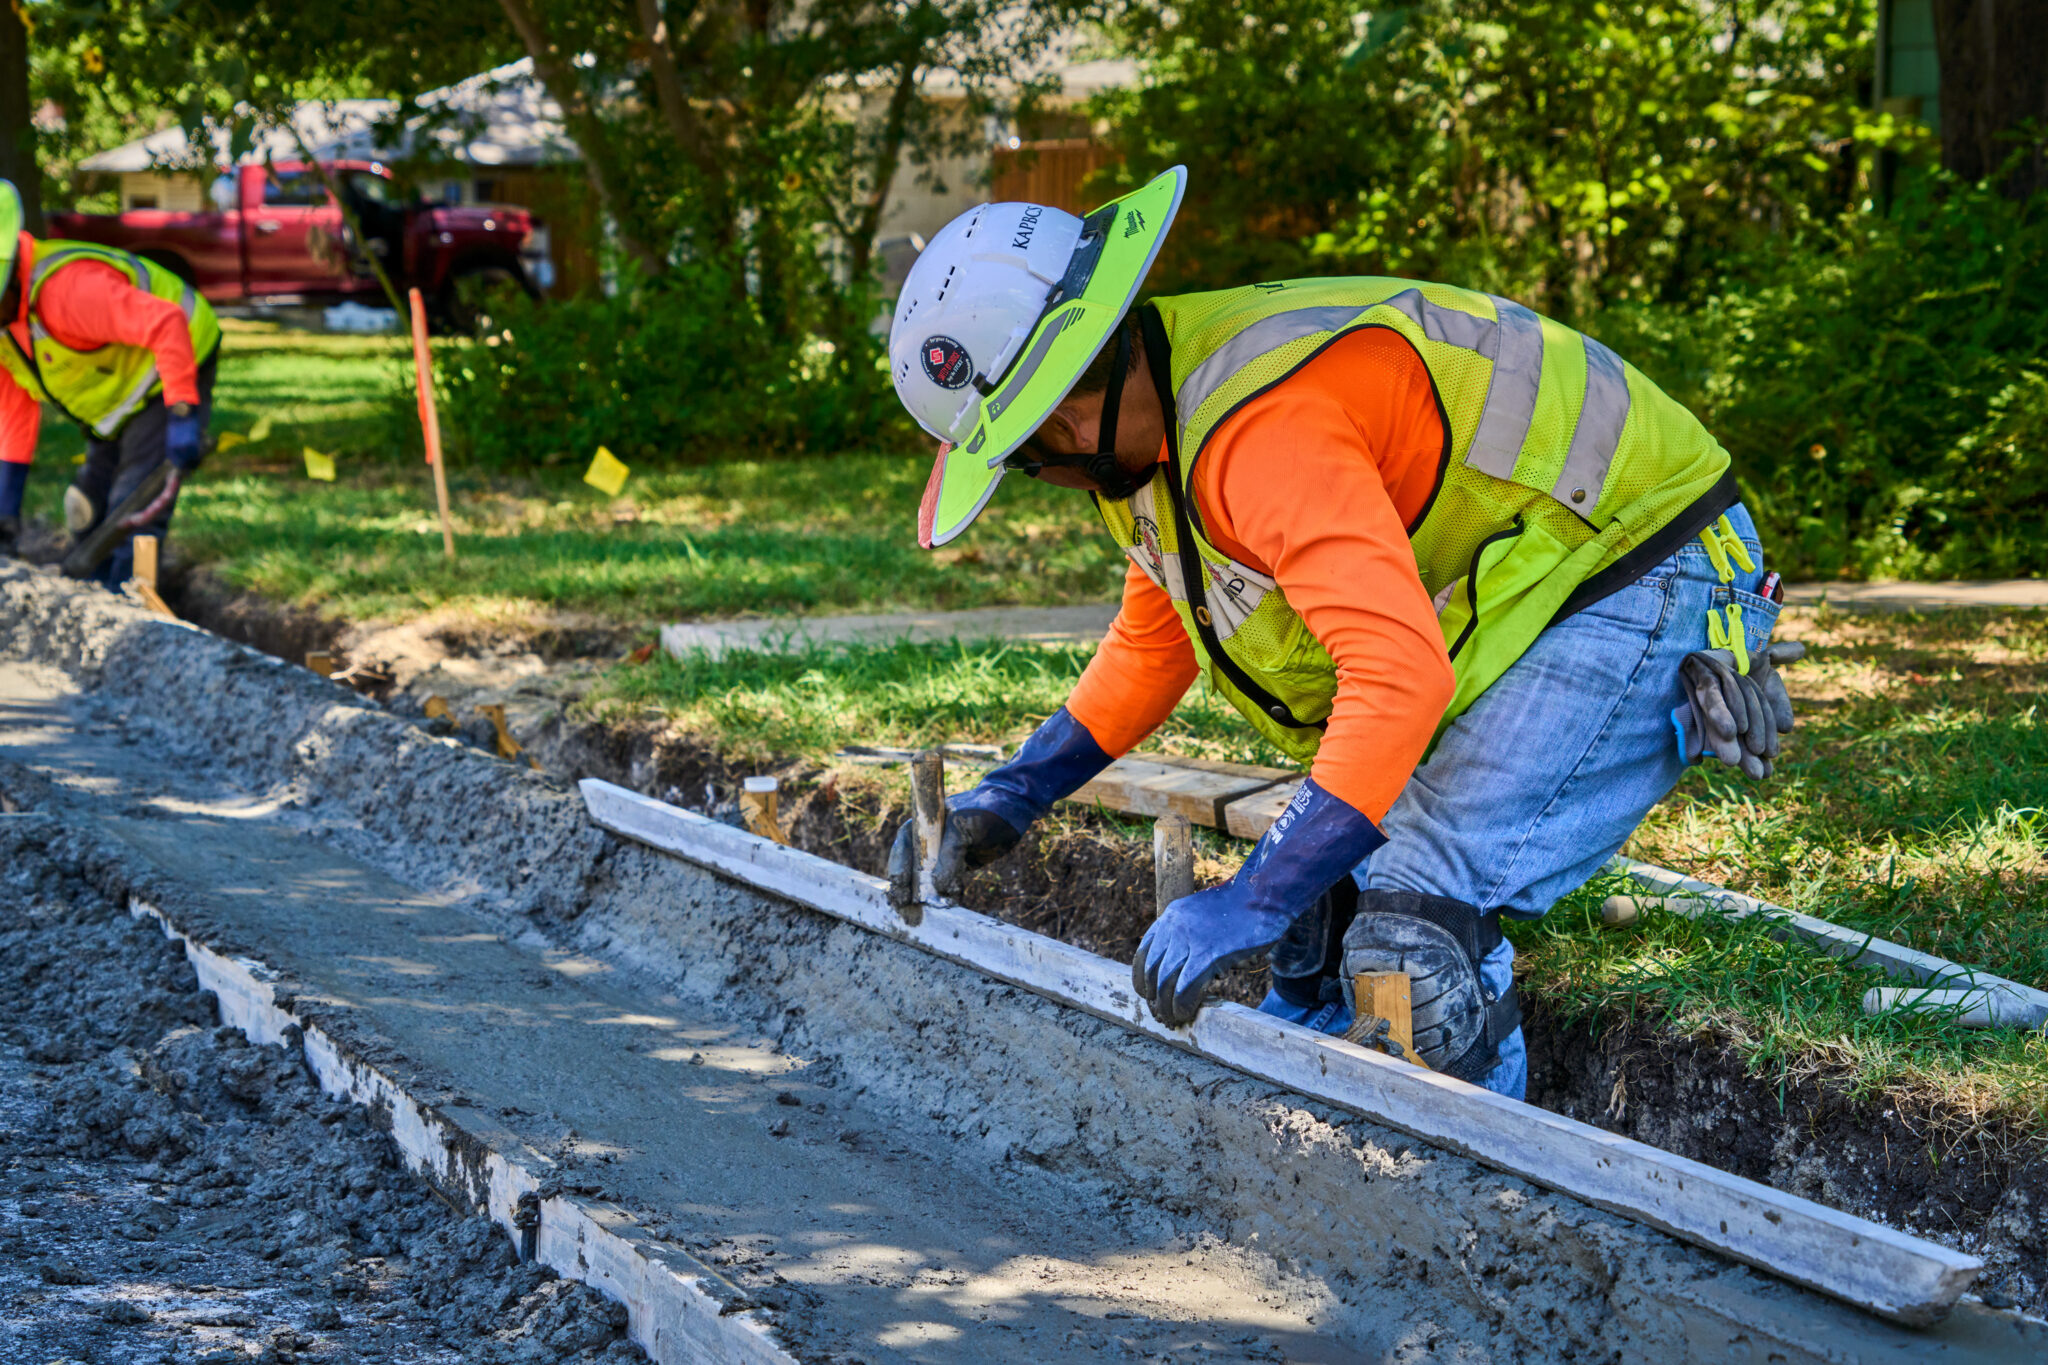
(1439, 943)
(1311, 950)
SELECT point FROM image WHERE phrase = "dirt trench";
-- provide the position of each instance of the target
(1876, 1156)
(175, 1194)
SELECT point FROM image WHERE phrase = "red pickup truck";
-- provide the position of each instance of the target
(276, 235)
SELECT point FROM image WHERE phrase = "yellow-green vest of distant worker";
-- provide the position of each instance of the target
(102, 388)
(1562, 458)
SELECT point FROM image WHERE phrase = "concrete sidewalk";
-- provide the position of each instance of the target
(1086, 624)
(787, 634)
(1988, 592)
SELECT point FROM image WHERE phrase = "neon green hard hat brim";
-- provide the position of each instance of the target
(1051, 360)
(10, 228)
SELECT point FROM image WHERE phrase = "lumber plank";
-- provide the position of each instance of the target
(1881, 1270)
(1152, 786)
(1247, 817)
(1865, 950)
(1385, 995)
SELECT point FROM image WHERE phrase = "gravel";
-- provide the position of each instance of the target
(171, 1193)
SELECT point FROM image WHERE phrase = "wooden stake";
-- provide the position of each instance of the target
(321, 662)
(928, 811)
(1384, 995)
(1173, 861)
(430, 420)
(758, 808)
(508, 747)
(144, 576)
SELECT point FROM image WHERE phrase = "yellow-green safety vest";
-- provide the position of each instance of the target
(1567, 475)
(102, 388)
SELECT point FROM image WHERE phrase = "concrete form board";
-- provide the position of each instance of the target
(1878, 1269)
(1865, 950)
(670, 1316)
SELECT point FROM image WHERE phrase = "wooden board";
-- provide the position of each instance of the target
(1881, 1270)
(1248, 817)
(1157, 786)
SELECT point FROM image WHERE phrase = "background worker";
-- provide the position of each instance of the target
(122, 347)
(1489, 581)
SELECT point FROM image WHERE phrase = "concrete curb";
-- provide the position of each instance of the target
(1880, 1270)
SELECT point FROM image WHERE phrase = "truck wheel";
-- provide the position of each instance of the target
(473, 292)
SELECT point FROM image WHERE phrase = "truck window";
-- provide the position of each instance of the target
(225, 193)
(293, 189)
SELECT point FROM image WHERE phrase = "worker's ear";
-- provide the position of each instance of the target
(1064, 429)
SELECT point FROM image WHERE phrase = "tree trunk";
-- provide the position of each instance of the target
(1994, 77)
(17, 133)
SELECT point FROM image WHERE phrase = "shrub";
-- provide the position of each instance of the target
(1882, 383)
(667, 371)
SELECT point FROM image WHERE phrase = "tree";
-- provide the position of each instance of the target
(753, 146)
(17, 126)
(1994, 90)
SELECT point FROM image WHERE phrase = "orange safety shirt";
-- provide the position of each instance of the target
(85, 305)
(1314, 483)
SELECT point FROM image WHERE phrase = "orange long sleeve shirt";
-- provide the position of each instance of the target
(84, 305)
(1315, 484)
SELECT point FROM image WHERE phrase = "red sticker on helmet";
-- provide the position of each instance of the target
(946, 362)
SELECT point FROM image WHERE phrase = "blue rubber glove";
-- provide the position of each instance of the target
(1316, 840)
(13, 480)
(986, 822)
(182, 438)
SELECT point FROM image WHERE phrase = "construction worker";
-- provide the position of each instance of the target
(1495, 587)
(125, 349)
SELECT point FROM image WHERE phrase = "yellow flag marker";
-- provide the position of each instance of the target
(79, 458)
(319, 466)
(261, 431)
(228, 440)
(607, 472)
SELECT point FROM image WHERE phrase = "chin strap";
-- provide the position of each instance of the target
(1100, 464)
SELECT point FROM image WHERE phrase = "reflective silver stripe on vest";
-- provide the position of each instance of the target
(1451, 326)
(1511, 399)
(1598, 434)
(1267, 334)
(1514, 344)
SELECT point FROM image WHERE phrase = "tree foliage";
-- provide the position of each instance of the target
(1568, 152)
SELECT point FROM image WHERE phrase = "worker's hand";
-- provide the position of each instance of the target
(1197, 939)
(973, 838)
(1736, 717)
(183, 436)
(160, 504)
(1316, 840)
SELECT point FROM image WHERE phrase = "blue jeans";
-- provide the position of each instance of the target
(1536, 786)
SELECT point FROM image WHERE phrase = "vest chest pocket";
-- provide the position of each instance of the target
(1506, 566)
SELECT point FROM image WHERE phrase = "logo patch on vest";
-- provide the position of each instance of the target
(946, 362)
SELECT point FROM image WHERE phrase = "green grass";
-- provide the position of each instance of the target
(830, 535)
(812, 703)
(1910, 804)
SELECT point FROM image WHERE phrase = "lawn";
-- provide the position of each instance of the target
(743, 536)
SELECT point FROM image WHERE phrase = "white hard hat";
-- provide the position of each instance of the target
(985, 345)
(968, 305)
